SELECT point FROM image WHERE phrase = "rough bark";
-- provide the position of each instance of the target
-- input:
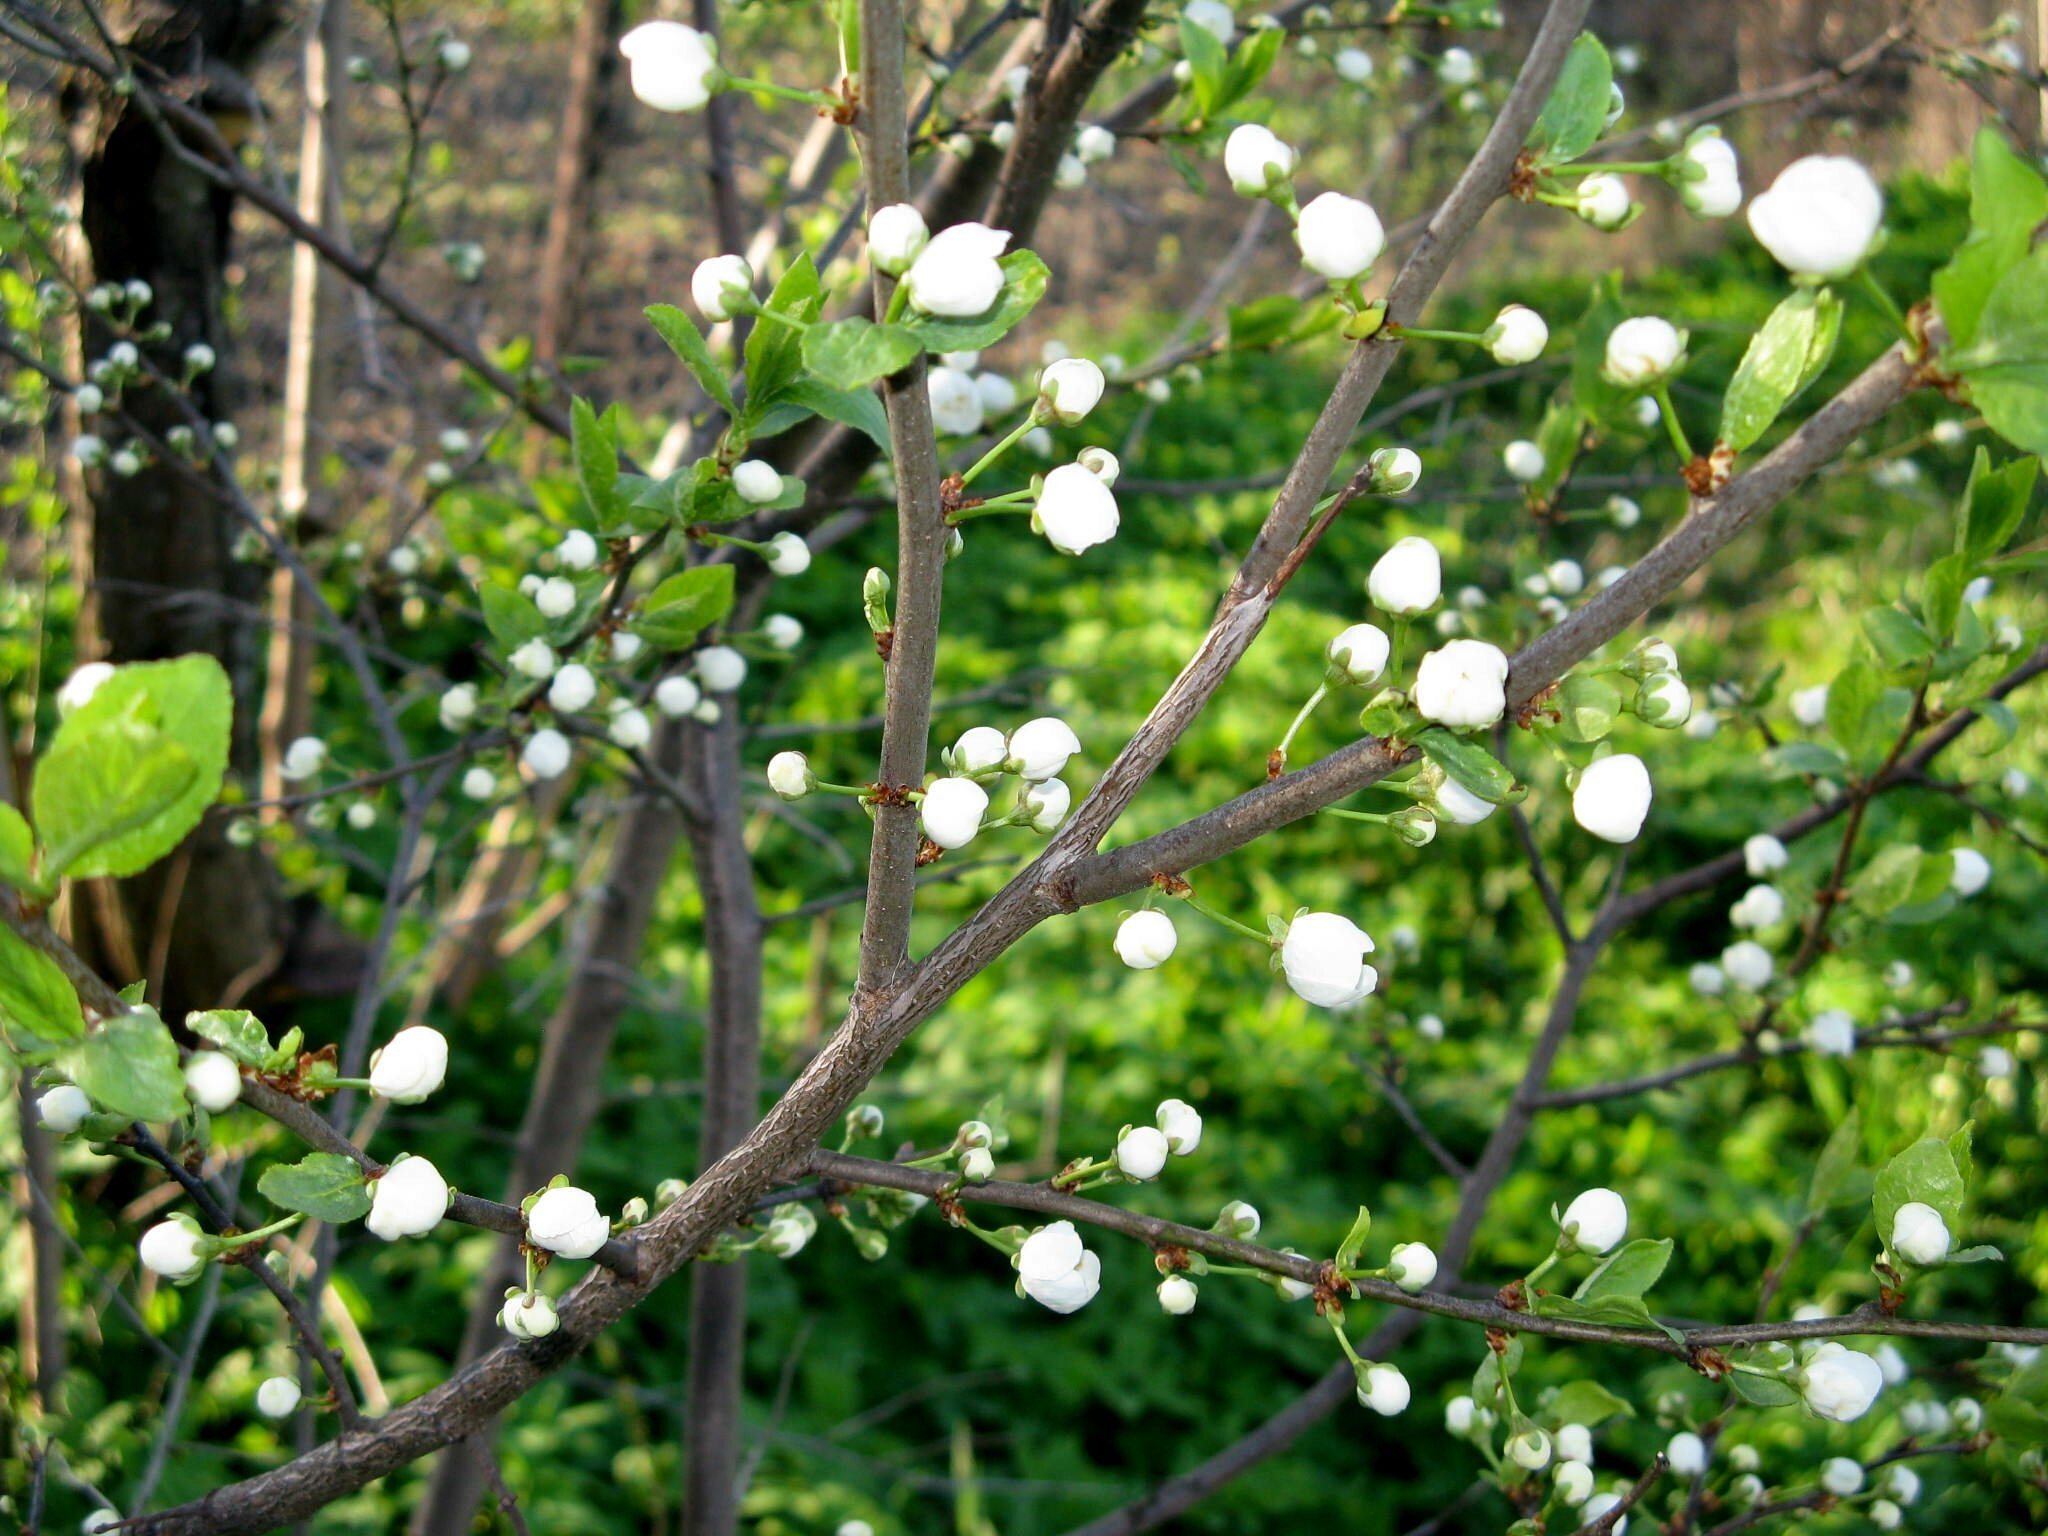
(579, 155)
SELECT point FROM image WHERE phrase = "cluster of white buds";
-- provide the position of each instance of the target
(954, 808)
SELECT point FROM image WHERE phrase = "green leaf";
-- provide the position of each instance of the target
(851, 354)
(1253, 60)
(1982, 1253)
(775, 351)
(1897, 637)
(1887, 881)
(1941, 599)
(1609, 1311)
(1763, 1391)
(1586, 1402)
(2006, 367)
(858, 409)
(685, 605)
(1207, 61)
(1926, 1172)
(1628, 1271)
(1599, 399)
(1837, 1163)
(510, 616)
(1587, 707)
(1576, 113)
(325, 1185)
(235, 1031)
(1798, 759)
(35, 996)
(1852, 695)
(1994, 503)
(97, 789)
(596, 453)
(1785, 355)
(17, 849)
(1354, 1240)
(2008, 199)
(1557, 437)
(1024, 280)
(687, 342)
(129, 1066)
(1469, 763)
(190, 704)
(1264, 322)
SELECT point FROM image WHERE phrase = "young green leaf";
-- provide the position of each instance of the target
(1994, 503)
(596, 453)
(1836, 1165)
(35, 996)
(1576, 113)
(856, 408)
(2006, 366)
(775, 350)
(685, 605)
(1585, 1402)
(510, 616)
(235, 1031)
(1586, 706)
(1354, 1240)
(17, 848)
(324, 1185)
(1468, 762)
(1786, 354)
(2008, 200)
(1207, 60)
(1927, 1172)
(852, 354)
(97, 788)
(1628, 1271)
(687, 342)
(129, 1066)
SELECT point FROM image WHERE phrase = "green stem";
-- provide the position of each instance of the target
(1662, 392)
(1377, 818)
(862, 791)
(1400, 645)
(1067, 1178)
(1885, 302)
(1614, 167)
(1228, 922)
(783, 92)
(532, 1270)
(1529, 1280)
(1012, 440)
(762, 311)
(1301, 718)
(993, 507)
(899, 300)
(1336, 1323)
(1416, 333)
(257, 1236)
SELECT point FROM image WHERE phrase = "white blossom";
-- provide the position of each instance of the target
(788, 554)
(1595, 1221)
(305, 757)
(1462, 684)
(1039, 748)
(1574, 1443)
(1573, 1481)
(555, 597)
(1841, 1476)
(978, 1165)
(951, 811)
(998, 394)
(673, 68)
(1181, 1124)
(1687, 1453)
(546, 754)
(1384, 1390)
(63, 1109)
(1177, 1295)
(479, 783)
(1523, 460)
(572, 689)
(1455, 803)
(789, 1230)
(1763, 855)
(1919, 1235)
(1663, 700)
(757, 481)
(1995, 1061)
(1360, 652)
(720, 668)
(1972, 872)
(1353, 64)
(1457, 68)
(1257, 160)
(1395, 471)
(1412, 1266)
(277, 1396)
(172, 1249)
(789, 775)
(1831, 1032)
(1069, 388)
(1840, 1384)
(783, 631)
(1643, 350)
(1810, 705)
(534, 659)
(676, 695)
(1076, 510)
(407, 1200)
(1603, 201)
(213, 1080)
(1340, 237)
(957, 274)
(630, 728)
(1820, 216)
(1056, 1270)
(957, 410)
(717, 283)
(1323, 958)
(1407, 579)
(528, 1315)
(1761, 906)
(411, 1066)
(896, 234)
(1712, 187)
(1141, 1152)
(1530, 1449)
(1900, 1481)
(565, 1220)
(1146, 940)
(1517, 335)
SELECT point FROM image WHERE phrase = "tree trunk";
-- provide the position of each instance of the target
(163, 580)
(593, 63)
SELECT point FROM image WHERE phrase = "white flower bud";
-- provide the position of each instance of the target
(1323, 958)
(720, 668)
(957, 409)
(1764, 855)
(528, 1315)
(1663, 700)
(1070, 388)
(1603, 201)
(534, 659)
(1238, 1218)
(784, 632)
(1820, 216)
(1360, 653)
(572, 689)
(789, 775)
(1573, 1481)
(718, 284)
(90, 399)
(1574, 1443)
(1687, 1454)
(1886, 1515)
(1056, 1270)
(1831, 1033)
(1100, 463)
(555, 597)
(302, 759)
(1039, 749)
(1076, 510)
(1407, 579)
(1353, 64)
(546, 754)
(1748, 964)
(1840, 1384)
(1177, 1295)
(1523, 460)
(1972, 872)
(1517, 335)
(458, 706)
(1461, 1414)
(630, 728)
(957, 274)
(1340, 237)
(998, 394)
(1384, 1390)
(63, 1109)
(1214, 17)
(1900, 1481)
(1181, 1124)
(788, 555)
(896, 234)
(277, 1397)
(1841, 1476)
(1454, 803)
(213, 1080)
(789, 1230)
(172, 1249)
(1919, 1235)
(1045, 805)
(1462, 684)
(1595, 1221)
(407, 1200)
(977, 1165)
(479, 783)
(1530, 1450)
(1141, 1152)
(1412, 1266)
(1613, 798)
(1712, 187)
(677, 695)
(1394, 470)
(565, 1220)
(674, 68)
(1146, 940)
(1642, 351)
(1995, 1061)
(951, 811)
(757, 481)
(1094, 144)
(1257, 160)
